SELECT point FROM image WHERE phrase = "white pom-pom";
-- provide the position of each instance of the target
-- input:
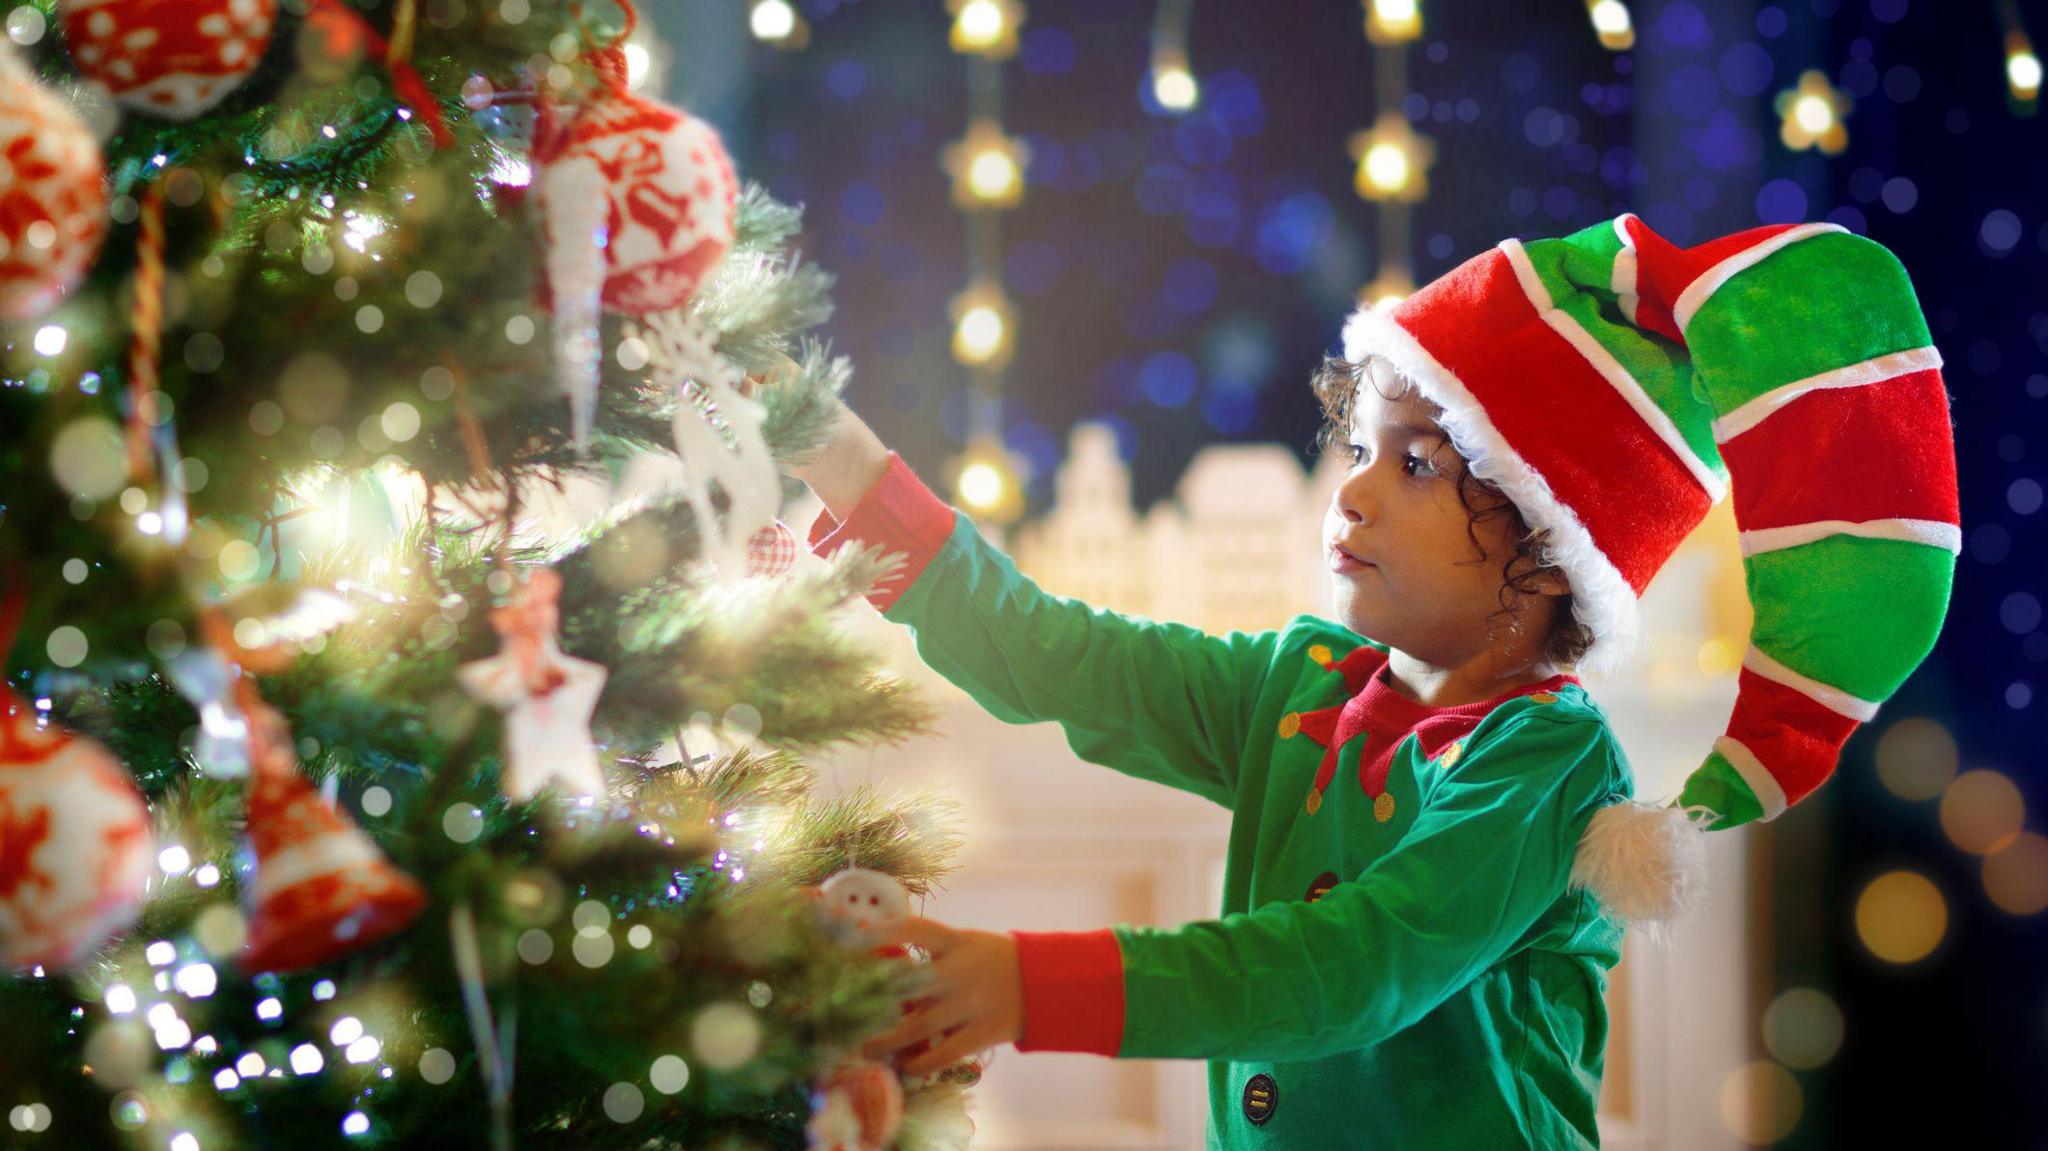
(1647, 864)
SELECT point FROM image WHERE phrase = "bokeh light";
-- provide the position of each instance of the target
(1812, 115)
(985, 27)
(1982, 811)
(773, 21)
(669, 1075)
(2023, 73)
(89, 458)
(1175, 88)
(1761, 1102)
(2016, 875)
(1916, 758)
(1803, 1028)
(725, 1036)
(1392, 21)
(1901, 917)
(437, 1065)
(624, 1102)
(1612, 23)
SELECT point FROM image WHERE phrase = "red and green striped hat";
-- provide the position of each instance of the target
(1616, 386)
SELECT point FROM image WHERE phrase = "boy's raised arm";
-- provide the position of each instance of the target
(1163, 702)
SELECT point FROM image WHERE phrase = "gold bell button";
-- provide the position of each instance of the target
(1543, 697)
(1452, 754)
(1261, 1099)
(1290, 725)
(1315, 801)
(1383, 807)
(1320, 653)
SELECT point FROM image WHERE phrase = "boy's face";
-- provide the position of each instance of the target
(1395, 537)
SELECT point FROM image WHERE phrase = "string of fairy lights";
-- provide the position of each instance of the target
(986, 166)
(1393, 159)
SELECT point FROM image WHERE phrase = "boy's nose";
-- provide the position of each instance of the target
(1354, 499)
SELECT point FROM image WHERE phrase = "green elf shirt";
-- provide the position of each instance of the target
(1399, 962)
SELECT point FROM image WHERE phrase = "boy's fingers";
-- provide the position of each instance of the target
(955, 1046)
(925, 1023)
(929, 934)
(895, 1039)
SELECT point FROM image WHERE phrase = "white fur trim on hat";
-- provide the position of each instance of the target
(1602, 599)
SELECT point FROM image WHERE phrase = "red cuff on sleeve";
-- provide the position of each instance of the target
(899, 513)
(1073, 991)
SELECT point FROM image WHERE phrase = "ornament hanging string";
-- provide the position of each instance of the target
(631, 17)
(478, 449)
(146, 330)
(609, 62)
(404, 22)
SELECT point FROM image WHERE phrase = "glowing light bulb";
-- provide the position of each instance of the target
(981, 486)
(772, 20)
(1813, 114)
(346, 1030)
(197, 980)
(2023, 74)
(981, 333)
(1387, 167)
(1392, 21)
(1175, 88)
(980, 26)
(993, 174)
(1612, 23)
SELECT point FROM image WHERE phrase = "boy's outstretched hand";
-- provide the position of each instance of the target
(975, 998)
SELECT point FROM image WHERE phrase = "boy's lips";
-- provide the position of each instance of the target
(1343, 559)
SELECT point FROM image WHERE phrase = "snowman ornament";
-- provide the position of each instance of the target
(858, 902)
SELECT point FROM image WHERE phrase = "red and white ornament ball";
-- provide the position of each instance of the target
(771, 551)
(53, 199)
(75, 843)
(170, 58)
(637, 197)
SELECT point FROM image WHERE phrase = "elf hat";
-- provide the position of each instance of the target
(1616, 386)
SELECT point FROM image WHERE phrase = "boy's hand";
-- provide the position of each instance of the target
(975, 999)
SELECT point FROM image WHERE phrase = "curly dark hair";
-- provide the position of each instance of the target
(1336, 385)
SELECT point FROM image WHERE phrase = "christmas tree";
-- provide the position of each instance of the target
(346, 796)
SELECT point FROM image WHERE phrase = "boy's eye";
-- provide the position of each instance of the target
(1421, 467)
